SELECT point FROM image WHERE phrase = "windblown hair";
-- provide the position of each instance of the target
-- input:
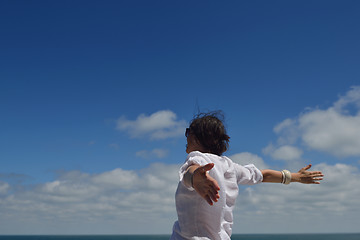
(210, 131)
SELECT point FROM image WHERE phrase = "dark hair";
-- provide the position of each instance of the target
(210, 131)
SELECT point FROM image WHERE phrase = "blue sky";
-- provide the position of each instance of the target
(103, 90)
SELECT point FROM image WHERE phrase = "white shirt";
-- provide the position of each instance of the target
(196, 218)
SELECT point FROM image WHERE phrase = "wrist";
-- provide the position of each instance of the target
(295, 177)
(189, 175)
(192, 180)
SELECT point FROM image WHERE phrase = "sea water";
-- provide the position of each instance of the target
(349, 236)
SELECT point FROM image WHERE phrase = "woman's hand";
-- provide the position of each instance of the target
(205, 185)
(307, 177)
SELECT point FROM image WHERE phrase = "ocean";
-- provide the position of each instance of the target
(349, 236)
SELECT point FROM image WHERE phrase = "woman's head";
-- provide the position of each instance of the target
(208, 132)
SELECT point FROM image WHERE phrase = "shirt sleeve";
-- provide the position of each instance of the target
(248, 174)
(192, 159)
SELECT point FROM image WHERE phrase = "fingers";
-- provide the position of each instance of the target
(306, 168)
(208, 200)
(214, 193)
(211, 196)
(213, 189)
(312, 180)
(207, 167)
(209, 193)
(316, 174)
(317, 179)
(214, 184)
(315, 182)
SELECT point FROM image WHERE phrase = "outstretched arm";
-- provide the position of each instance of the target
(207, 187)
(303, 176)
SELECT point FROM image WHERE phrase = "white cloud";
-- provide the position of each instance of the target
(287, 131)
(155, 153)
(284, 124)
(119, 201)
(159, 125)
(351, 97)
(287, 153)
(335, 130)
(3, 187)
(248, 158)
(117, 178)
(332, 132)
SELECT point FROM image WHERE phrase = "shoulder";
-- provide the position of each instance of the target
(200, 158)
(197, 157)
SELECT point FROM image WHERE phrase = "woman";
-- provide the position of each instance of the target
(208, 185)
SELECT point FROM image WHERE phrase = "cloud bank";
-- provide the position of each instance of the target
(125, 201)
(78, 202)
